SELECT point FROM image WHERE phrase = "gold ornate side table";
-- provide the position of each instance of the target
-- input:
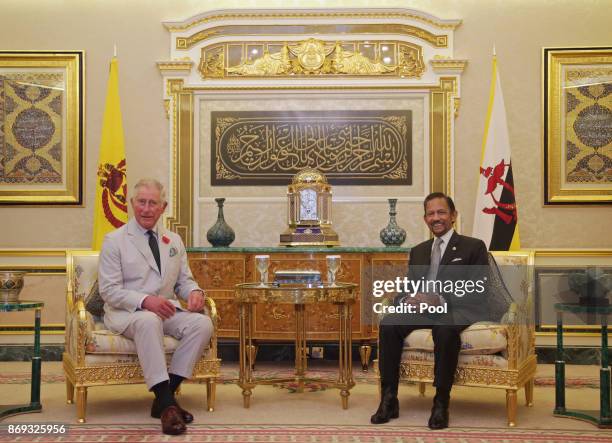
(299, 295)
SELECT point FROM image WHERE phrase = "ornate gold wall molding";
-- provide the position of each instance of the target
(180, 216)
(175, 65)
(438, 40)
(399, 52)
(445, 66)
(441, 115)
(312, 57)
(334, 15)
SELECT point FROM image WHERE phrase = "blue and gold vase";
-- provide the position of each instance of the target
(220, 234)
(392, 234)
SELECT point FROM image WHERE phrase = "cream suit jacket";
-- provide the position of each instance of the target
(127, 272)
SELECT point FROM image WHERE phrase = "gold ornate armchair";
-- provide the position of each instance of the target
(494, 354)
(94, 356)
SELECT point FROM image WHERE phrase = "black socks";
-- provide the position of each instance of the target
(163, 394)
(175, 382)
(164, 391)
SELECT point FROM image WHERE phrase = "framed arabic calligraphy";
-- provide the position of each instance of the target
(41, 127)
(577, 85)
(365, 147)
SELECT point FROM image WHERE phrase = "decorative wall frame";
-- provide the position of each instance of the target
(577, 100)
(247, 54)
(351, 147)
(41, 127)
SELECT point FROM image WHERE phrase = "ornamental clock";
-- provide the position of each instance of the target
(309, 211)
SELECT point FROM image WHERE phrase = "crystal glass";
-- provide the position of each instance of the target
(333, 264)
(262, 262)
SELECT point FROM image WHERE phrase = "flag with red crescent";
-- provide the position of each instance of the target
(496, 215)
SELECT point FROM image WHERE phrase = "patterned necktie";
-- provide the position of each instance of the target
(154, 248)
(436, 256)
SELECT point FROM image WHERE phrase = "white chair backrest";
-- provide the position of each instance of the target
(515, 268)
(84, 271)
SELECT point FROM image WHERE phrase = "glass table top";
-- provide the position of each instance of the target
(578, 308)
(21, 305)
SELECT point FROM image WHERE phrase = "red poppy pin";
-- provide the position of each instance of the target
(165, 239)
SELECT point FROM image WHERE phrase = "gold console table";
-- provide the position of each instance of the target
(219, 270)
(342, 295)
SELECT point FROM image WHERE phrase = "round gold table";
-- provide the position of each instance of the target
(299, 295)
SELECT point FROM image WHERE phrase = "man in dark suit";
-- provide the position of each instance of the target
(448, 257)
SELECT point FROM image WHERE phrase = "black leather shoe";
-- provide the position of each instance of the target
(439, 414)
(388, 409)
(156, 412)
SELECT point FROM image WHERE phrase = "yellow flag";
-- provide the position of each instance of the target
(110, 210)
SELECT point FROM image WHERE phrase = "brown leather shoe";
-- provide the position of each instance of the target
(156, 412)
(172, 422)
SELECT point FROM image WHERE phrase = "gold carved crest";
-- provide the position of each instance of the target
(313, 57)
(311, 54)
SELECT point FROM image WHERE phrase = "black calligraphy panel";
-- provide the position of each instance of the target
(349, 147)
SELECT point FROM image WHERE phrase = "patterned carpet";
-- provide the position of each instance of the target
(229, 374)
(305, 434)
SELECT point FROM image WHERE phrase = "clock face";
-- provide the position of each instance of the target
(308, 204)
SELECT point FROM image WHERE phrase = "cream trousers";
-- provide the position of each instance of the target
(193, 330)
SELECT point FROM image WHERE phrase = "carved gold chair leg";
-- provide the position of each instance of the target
(81, 403)
(69, 392)
(422, 387)
(529, 392)
(364, 354)
(211, 392)
(511, 406)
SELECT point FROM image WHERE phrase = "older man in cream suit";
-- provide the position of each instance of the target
(143, 269)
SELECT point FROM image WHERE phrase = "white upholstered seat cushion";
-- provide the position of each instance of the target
(479, 338)
(490, 360)
(103, 341)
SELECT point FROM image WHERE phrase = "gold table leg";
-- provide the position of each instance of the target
(300, 346)
(345, 358)
(245, 377)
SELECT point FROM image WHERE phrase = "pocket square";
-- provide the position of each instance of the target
(456, 259)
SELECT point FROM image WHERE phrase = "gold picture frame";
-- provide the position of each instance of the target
(577, 101)
(41, 127)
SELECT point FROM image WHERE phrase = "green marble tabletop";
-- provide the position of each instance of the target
(300, 249)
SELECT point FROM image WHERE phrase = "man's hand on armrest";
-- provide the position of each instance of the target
(159, 305)
(195, 302)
